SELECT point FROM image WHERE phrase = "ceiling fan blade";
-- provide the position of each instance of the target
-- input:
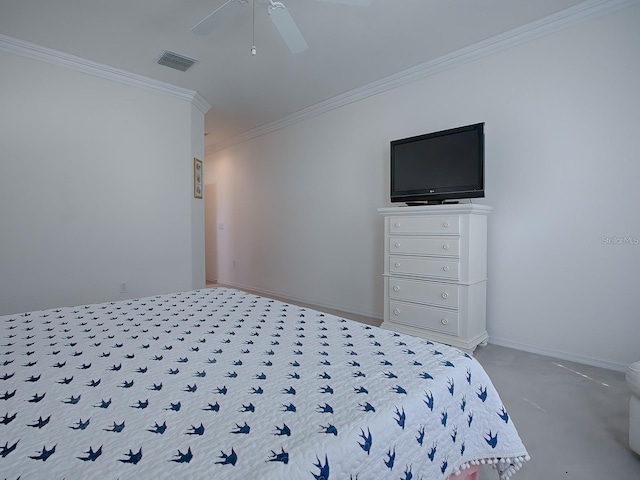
(219, 16)
(287, 27)
(356, 3)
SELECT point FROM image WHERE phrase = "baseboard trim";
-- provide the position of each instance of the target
(336, 310)
(503, 342)
(550, 352)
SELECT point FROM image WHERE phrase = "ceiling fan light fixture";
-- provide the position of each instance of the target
(280, 16)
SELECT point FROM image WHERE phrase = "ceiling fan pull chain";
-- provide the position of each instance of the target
(253, 28)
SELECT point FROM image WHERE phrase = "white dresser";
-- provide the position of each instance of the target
(435, 272)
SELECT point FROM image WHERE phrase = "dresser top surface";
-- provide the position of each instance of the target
(446, 209)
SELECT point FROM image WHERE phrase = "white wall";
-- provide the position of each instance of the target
(296, 209)
(96, 189)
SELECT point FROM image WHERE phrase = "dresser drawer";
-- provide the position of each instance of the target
(434, 225)
(440, 246)
(424, 267)
(434, 293)
(428, 318)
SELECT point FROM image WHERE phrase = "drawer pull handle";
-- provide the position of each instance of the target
(397, 244)
(397, 264)
(445, 224)
(444, 321)
(397, 225)
(444, 269)
(445, 246)
(445, 295)
(396, 288)
(396, 312)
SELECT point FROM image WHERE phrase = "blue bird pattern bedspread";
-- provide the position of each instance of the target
(222, 384)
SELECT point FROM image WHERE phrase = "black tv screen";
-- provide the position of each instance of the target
(438, 166)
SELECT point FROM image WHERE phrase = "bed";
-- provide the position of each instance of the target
(222, 384)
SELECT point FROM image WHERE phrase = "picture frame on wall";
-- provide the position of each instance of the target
(197, 178)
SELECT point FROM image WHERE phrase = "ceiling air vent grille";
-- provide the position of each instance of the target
(176, 61)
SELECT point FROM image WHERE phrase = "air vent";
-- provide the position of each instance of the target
(176, 61)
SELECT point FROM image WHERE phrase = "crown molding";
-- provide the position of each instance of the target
(80, 64)
(545, 26)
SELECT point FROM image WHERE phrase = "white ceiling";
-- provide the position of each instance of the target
(349, 46)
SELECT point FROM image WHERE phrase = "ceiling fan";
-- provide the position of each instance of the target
(280, 16)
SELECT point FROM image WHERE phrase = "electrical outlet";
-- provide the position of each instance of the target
(123, 287)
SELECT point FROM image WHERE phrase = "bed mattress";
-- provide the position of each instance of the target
(219, 383)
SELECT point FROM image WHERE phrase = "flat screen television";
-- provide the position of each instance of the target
(438, 166)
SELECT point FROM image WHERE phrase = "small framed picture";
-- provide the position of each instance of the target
(197, 178)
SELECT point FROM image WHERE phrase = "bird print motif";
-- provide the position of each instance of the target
(234, 384)
(91, 455)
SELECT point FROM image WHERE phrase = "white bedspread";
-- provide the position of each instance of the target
(221, 384)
